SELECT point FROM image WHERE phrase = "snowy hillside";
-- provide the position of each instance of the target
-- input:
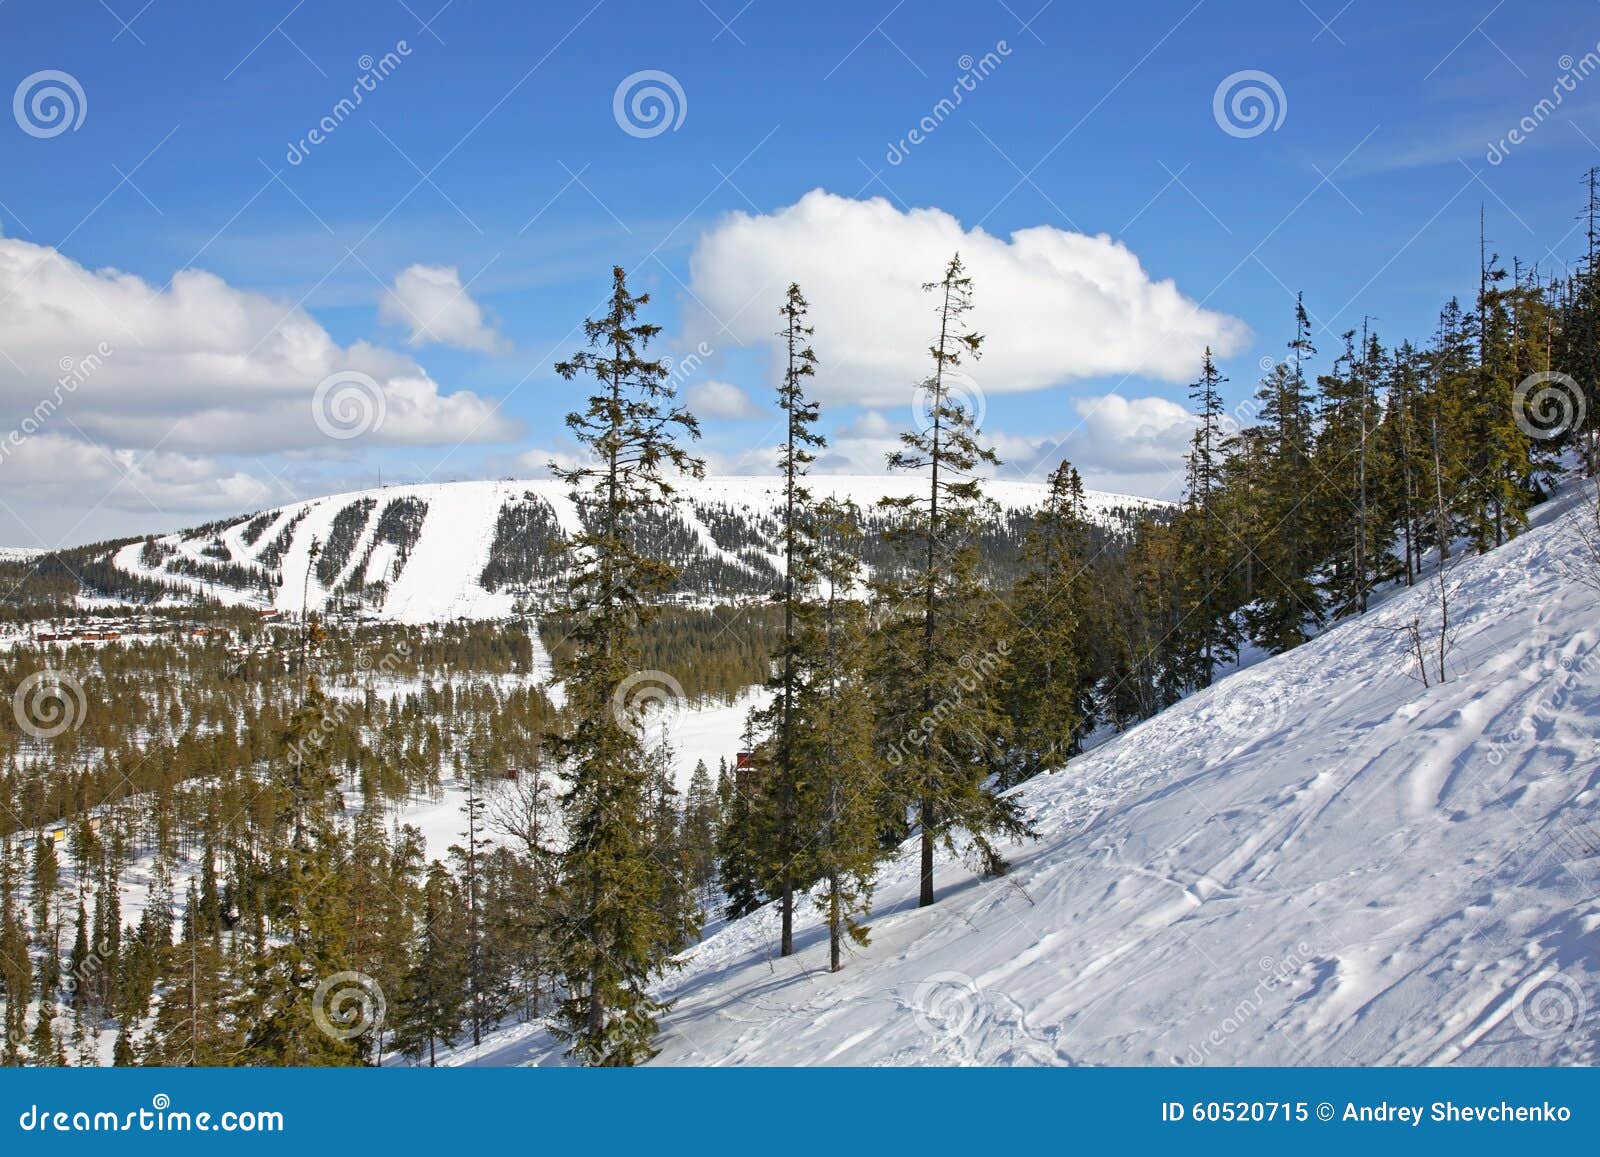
(426, 553)
(1316, 861)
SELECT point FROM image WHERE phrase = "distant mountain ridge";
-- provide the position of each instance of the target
(488, 549)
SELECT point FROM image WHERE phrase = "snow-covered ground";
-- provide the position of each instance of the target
(1316, 861)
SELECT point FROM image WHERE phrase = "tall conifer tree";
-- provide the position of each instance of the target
(938, 705)
(613, 932)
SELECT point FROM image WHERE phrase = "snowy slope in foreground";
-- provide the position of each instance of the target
(1315, 861)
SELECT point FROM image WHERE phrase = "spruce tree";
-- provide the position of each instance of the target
(1352, 522)
(1287, 607)
(833, 727)
(1494, 492)
(782, 767)
(938, 718)
(467, 856)
(16, 972)
(739, 845)
(193, 1023)
(700, 823)
(613, 933)
(1048, 693)
(432, 1008)
(1205, 636)
(304, 891)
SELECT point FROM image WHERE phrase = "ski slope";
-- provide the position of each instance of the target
(1315, 861)
(440, 576)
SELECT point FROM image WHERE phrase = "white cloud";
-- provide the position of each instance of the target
(1053, 305)
(1130, 435)
(57, 469)
(431, 301)
(868, 424)
(1125, 445)
(197, 366)
(719, 400)
(123, 400)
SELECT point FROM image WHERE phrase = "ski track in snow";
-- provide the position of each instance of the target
(1315, 861)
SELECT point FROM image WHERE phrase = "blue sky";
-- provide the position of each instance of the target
(488, 163)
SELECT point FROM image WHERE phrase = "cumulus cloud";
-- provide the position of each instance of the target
(1055, 306)
(197, 366)
(1125, 445)
(431, 301)
(867, 424)
(1130, 435)
(59, 470)
(719, 400)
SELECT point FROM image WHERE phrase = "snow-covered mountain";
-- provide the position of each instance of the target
(1318, 860)
(425, 553)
